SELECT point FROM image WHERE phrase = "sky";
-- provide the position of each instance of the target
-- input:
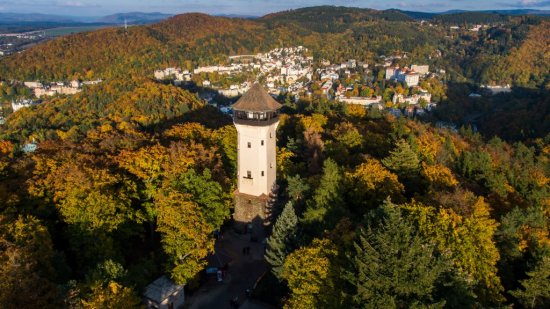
(248, 7)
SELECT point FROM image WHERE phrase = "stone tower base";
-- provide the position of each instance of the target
(253, 213)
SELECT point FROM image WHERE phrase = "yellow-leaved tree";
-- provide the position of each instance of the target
(371, 183)
(186, 236)
(6, 148)
(468, 240)
(310, 276)
(438, 176)
(111, 295)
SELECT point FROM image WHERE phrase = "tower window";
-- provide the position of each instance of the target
(262, 142)
(262, 173)
(249, 145)
(270, 135)
(271, 165)
(248, 174)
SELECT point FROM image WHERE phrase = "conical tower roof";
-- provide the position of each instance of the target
(256, 99)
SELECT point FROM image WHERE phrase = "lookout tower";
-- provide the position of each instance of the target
(256, 117)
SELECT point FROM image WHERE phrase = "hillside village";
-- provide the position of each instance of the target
(290, 72)
(293, 72)
(287, 72)
(40, 90)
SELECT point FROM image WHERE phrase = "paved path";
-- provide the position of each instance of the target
(242, 274)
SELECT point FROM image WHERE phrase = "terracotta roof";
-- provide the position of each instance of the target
(256, 100)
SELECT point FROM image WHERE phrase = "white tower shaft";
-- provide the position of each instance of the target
(257, 170)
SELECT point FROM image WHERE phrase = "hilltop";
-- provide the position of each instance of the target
(116, 52)
(338, 13)
(18, 22)
(333, 33)
(333, 18)
(133, 18)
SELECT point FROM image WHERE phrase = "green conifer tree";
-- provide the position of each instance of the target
(282, 240)
(536, 288)
(327, 203)
(297, 187)
(402, 160)
(394, 266)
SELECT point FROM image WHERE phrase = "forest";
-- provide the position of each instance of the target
(131, 175)
(392, 213)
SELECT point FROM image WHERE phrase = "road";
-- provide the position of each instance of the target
(243, 272)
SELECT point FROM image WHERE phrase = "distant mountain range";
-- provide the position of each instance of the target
(17, 22)
(504, 12)
(428, 15)
(6, 18)
(133, 18)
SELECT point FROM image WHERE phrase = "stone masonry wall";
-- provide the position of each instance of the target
(251, 210)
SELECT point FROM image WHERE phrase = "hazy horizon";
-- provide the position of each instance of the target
(249, 7)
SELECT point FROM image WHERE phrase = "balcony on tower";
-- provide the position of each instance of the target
(256, 108)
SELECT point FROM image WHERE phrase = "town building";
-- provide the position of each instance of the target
(92, 82)
(476, 28)
(33, 85)
(256, 118)
(19, 104)
(424, 96)
(494, 90)
(325, 88)
(60, 89)
(208, 69)
(55, 89)
(163, 293)
(229, 93)
(41, 92)
(360, 100)
(410, 77)
(76, 84)
(390, 72)
(421, 69)
(176, 74)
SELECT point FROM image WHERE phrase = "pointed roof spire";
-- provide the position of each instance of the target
(256, 99)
